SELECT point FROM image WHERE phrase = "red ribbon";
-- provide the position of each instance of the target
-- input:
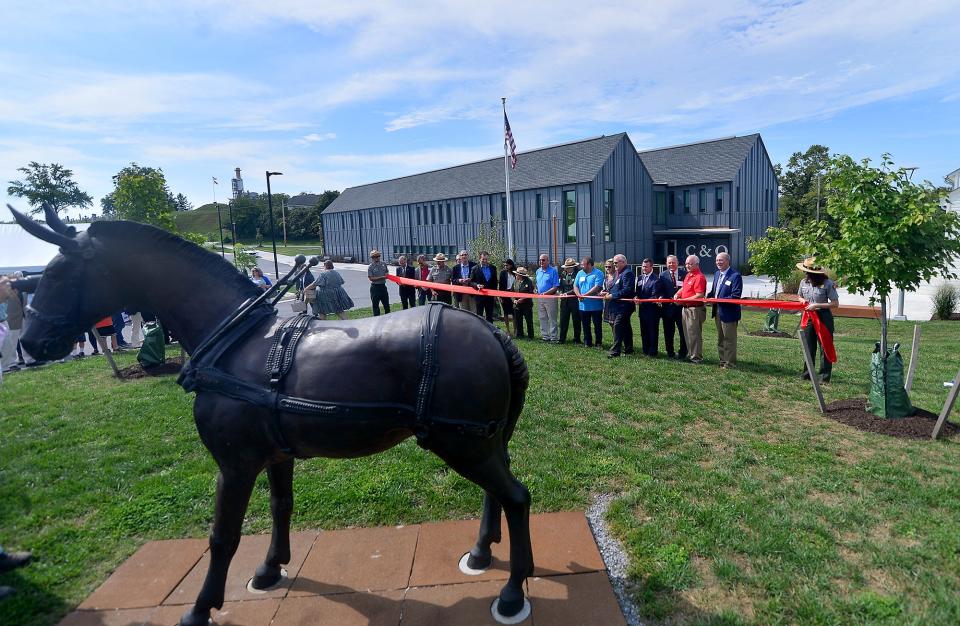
(807, 317)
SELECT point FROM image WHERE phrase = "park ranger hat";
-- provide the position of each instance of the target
(374, 253)
(522, 271)
(810, 265)
(569, 263)
(440, 257)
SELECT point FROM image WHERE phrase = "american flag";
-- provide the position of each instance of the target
(508, 134)
(215, 181)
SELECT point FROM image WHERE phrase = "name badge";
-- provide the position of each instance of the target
(727, 283)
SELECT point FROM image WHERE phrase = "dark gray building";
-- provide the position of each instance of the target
(599, 196)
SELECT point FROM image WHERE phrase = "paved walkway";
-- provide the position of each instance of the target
(391, 575)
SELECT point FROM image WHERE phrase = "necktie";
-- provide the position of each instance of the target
(673, 277)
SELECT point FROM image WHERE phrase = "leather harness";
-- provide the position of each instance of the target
(203, 373)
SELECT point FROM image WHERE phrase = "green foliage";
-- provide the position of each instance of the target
(198, 238)
(945, 301)
(489, 239)
(891, 233)
(181, 203)
(140, 194)
(52, 184)
(792, 282)
(798, 185)
(242, 258)
(777, 254)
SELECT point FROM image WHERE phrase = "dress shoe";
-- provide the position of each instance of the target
(13, 560)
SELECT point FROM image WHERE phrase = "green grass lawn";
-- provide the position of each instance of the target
(307, 248)
(737, 502)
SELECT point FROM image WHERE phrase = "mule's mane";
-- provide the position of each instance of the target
(143, 237)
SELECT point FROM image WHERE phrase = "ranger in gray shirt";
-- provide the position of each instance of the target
(820, 295)
(377, 273)
(440, 273)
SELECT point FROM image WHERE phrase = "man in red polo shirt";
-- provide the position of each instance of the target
(694, 314)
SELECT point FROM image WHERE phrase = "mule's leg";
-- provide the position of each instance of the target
(480, 555)
(233, 495)
(493, 474)
(281, 507)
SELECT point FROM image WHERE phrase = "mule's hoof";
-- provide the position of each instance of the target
(510, 612)
(469, 566)
(194, 618)
(478, 562)
(266, 578)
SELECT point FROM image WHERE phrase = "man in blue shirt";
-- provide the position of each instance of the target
(620, 307)
(589, 282)
(548, 283)
(484, 276)
(460, 275)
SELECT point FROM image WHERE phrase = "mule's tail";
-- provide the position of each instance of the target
(519, 379)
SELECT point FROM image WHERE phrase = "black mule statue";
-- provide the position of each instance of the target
(252, 414)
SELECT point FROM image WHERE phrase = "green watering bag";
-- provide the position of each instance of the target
(772, 324)
(887, 397)
(152, 352)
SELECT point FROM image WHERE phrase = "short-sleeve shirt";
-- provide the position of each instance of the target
(378, 271)
(818, 295)
(439, 274)
(693, 283)
(585, 282)
(547, 279)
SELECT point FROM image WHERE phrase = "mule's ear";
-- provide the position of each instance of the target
(45, 234)
(55, 224)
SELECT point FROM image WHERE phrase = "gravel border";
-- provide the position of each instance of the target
(614, 557)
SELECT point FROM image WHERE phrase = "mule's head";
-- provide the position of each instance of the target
(75, 291)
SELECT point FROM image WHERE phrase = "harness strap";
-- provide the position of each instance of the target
(429, 366)
(285, 340)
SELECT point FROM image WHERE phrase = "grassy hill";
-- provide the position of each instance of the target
(202, 219)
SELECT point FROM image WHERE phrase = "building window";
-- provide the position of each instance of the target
(570, 215)
(659, 207)
(440, 211)
(382, 224)
(608, 214)
(686, 200)
(539, 206)
(673, 203)
(702, 200)
(718, 199)
(449, 216)
(433, 214)
(737, 205)
(503, 208)
(464, 209)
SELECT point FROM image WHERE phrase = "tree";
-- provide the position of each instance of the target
(887, 233)
(140, 194)
(52, 184)
(182, 203)
(489, 239)
(106, 204)
(775, 255)
(799, 185)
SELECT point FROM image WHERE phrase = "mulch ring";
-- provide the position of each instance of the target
(770, 333)
(171, 366)
(920, 425)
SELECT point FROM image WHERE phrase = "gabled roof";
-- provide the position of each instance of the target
(713, 161)
(574, 162)
(303, 200)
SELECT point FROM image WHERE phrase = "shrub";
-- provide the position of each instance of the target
(792, 283)
(945, 301)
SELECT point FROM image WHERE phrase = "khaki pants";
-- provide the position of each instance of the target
(467, 303)
(9, 348)
(693, 318)
(727, 341)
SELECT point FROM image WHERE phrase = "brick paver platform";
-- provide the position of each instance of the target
(394, 575)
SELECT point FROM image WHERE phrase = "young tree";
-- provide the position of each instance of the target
(140, 194)
(52, 184)
(489, 239)
(775, 255)
(182, 203)
(890, 233)
(801, 185)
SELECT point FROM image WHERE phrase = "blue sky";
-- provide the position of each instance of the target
(336, 94)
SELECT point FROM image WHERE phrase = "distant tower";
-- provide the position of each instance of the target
(237, 185)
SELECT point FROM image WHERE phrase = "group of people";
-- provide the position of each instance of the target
(594, 297)
(324, 294)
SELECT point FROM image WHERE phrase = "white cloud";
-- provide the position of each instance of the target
(315, 137)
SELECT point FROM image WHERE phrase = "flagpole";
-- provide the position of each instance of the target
(506, 174)
(219, 222)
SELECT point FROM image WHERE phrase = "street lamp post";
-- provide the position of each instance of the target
(273, 231)
(900, 317)
(554, 207)
(219, 222)
(233, 229)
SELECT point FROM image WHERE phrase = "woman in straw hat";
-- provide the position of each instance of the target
(441, 275)
(507, 278)
(819, 293)
(523, 307)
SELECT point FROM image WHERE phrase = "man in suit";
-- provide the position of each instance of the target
(669, 282)
(460, 275)
(408, 294)
(648, 287)
(484, 276)
(620, 310)
(727, 283)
